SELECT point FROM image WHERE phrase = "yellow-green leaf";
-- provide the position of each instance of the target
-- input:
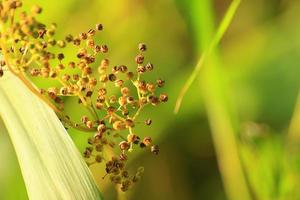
(51, 165)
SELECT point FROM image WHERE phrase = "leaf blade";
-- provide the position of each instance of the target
(50, 163)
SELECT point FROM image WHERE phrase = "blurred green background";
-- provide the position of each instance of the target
(256, 82)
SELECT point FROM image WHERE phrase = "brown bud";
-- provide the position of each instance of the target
(101, 128)
(112, 77)
(111, 110)
(91, 43)
(69, 38)
(93, 82)
(150, 87)
(33, 72)
(155, 149)
(148, 122)
(123, 157)
(91, 32)
(60, 67)
(89, 93)
(102, 91)
(115, 69)
(64, 90)
(72, 65)
(89, 124)
(53, 74)
(66, 77)
(163, 97)
(101, 99)
(125, 91)
(125, 112)
(87, 70)
(75, 77)
(142, 47)
(149, 66)
(139, 59)
(141, 69)
(99, 27)
(122, 101)
(83, 36)
(119, 83)
(60, 56)
(160, 83)
(97, 49)
(104, 48)
(76, 41)
(123, 68)
(124, 145)
(87, 153)
(52, 92)
(45, 72)
(147, 141)
(130, 99)
(99, 105)
(129, 123)
(131, 137)
(154, 100)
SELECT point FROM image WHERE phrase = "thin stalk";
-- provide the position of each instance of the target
(214, 42)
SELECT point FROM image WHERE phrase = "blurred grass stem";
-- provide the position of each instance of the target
(214, 42)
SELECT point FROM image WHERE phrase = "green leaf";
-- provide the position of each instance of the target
(51, 165)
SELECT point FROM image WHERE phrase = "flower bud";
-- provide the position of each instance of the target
(124, 145)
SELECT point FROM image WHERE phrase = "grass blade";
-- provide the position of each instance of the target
(215, 41)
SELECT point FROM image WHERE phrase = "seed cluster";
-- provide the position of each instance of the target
(30, 49)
